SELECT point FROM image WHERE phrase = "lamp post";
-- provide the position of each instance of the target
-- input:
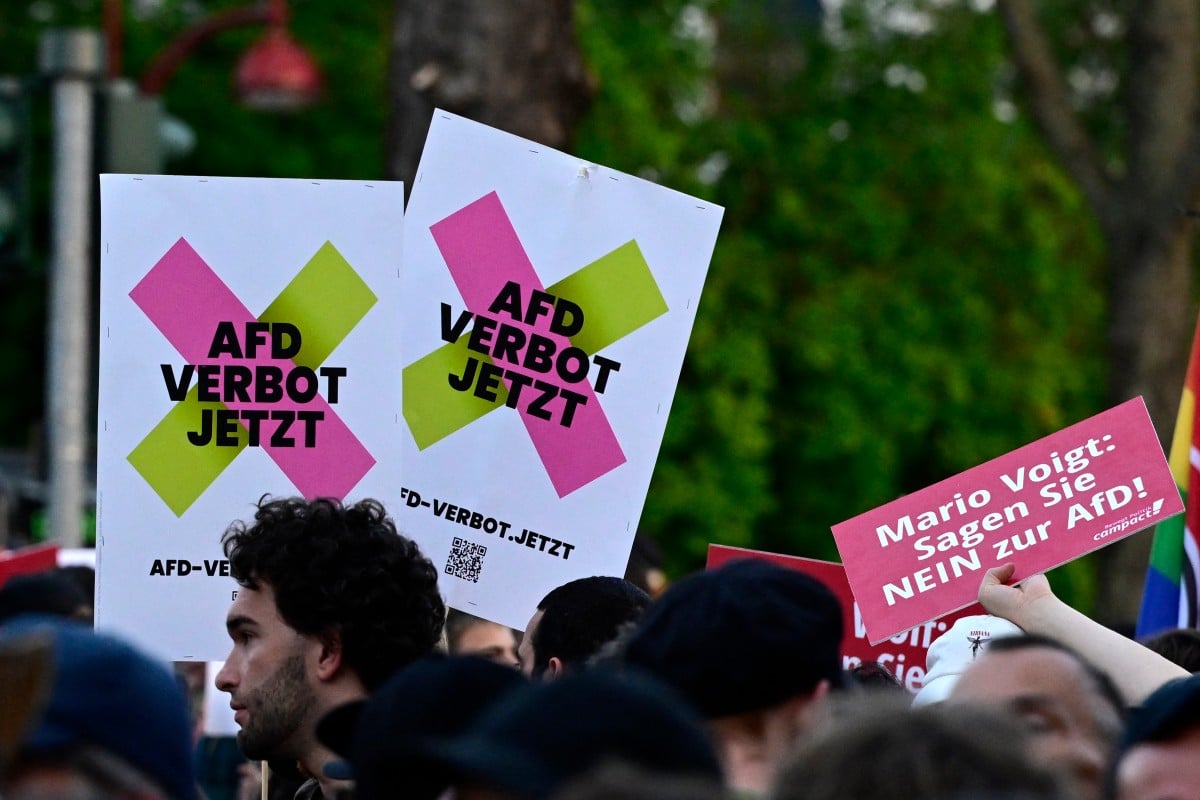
(275, 74)
(73, 60)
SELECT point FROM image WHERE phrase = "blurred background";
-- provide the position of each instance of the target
(952, 226)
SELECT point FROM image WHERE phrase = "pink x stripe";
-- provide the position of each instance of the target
(483, 252)
(186, 300)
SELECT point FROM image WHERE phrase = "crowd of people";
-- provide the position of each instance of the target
(349, 678)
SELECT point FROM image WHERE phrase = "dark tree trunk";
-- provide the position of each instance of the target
(1149, 241)
(1151, 320)
(514, 65)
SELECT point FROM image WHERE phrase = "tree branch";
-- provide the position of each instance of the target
(1050, 104)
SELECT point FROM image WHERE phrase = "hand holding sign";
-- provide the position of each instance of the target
(1135, 670)
(1016, 602)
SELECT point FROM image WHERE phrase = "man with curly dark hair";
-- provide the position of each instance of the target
(333, 600)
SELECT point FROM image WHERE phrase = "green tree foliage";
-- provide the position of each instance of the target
(342, 137)
(339, 138)
(1114, 88)
(904, 285)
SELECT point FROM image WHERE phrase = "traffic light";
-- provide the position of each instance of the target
(129, 133)
(136, 134)
(15, 154)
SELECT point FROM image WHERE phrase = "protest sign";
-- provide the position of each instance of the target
(247, 348)
(903, 654)
(548, 302)
(218, 718)
(1039, 506)
(26, 560)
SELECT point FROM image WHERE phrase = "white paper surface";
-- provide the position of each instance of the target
(253, 236)
(487, 483)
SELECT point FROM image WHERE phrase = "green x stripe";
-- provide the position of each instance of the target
(326, 300)
(619, 294)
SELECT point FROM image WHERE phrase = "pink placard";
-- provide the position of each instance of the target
(1039, 506)
(903, 654)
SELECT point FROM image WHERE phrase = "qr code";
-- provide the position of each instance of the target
(466, 560)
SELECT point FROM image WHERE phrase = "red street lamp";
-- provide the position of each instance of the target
(275, 74)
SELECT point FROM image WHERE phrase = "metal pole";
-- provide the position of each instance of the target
(74, 59)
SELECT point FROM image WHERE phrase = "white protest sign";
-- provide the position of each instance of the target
(247, 347)
(548, 303)
(218, 714)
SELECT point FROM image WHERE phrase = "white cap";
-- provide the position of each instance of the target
(954, 650)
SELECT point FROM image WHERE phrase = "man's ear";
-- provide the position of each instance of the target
(329, 657)
(809, 710)
(555, 668)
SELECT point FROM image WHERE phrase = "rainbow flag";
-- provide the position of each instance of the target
(1169, 598)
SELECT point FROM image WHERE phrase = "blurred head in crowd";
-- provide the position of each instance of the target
(1072, 711)
(114, 722)
(874, 677)
(645, 567)
(574, 621)
(619, 780)
(332, 601)
(1160, 750)
(540, 738)
(83, 576)
(467, 634)
(25, 675)
(382, 738)
(883, 750)
(52, 592)
(754, 647)
(1179, 646)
